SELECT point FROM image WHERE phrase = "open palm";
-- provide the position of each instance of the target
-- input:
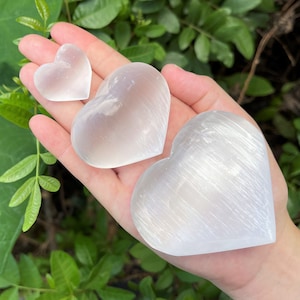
(191, 94)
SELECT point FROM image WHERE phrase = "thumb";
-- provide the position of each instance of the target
(200, 92)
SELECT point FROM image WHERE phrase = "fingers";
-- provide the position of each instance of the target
(58, 142)
(40, 50)
(103, 58)
(63, 112)
(199, 92)
(103, 183)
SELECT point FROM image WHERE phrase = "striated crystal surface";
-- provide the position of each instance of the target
(212, 194)
(68, 78)
(127, 120)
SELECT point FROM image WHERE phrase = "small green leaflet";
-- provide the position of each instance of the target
(49, 183)
(48, 158)
(20, 170)
(33, 207)
(42, 9)
(31, 23)
(22, 192)
(202, 47)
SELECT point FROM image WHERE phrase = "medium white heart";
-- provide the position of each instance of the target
(212, 194)
(127, 121)
(68, 78)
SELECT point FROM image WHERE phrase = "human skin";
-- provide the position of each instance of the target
(264, 272)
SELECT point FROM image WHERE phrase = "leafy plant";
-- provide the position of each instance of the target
(20, 152)
(18, 107)
(98, 260)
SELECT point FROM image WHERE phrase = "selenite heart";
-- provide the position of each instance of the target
(127, 121)
(68, 78)
(212, 194)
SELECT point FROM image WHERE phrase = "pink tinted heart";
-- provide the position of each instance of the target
(127, 120)
(68, 78)
(212, 194)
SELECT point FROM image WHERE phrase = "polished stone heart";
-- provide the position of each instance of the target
(127, 121)
(212, 194)
(68, 78)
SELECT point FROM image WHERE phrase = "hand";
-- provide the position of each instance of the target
(240, 273)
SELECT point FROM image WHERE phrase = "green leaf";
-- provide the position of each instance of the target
(43, 9)
(284, 126)
(109, 293)
(148, 6)
(202, 47)
(195, 8)
(10, 294)
(186, 37)
(216, 20)
(175, 58)
(241, 6)
(20, 100)
(19, 170)
(149, 261)
(267, 6)
(95, 14)
(296, 123)
(295, 167)
(9, 274)
(188, 294)
(293, 202)
(50, 281)
(165, 279)
(186, 276)
(243, 39)
(86, 250)
(15, 143)
(169, 20)
(48, 158)
(140, 53)
(31, 23)
(146, 288)
(258, 86)
(49, 183)
(223, 52)
(33, 207)
(290, 148)
(22, 193)
(107, 266)
(29, 273)
(16, 115)
(159, 51)
(150, 31)
(122, 34)
(64, 271)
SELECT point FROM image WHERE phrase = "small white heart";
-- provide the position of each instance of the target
(127, 121)
(68, 78)
(212, 194)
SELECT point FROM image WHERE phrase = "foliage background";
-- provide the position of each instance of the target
(75, 250)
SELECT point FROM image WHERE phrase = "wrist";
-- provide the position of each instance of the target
(278, 276)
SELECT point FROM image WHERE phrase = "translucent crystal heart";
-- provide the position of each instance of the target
(127, 121)
(212, 194)
(68, 78)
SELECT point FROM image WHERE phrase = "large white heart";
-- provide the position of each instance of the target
(68, 78)
(212, 194)
(127, 121)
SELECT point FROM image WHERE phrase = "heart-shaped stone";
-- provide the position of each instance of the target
(68, 78)
(127, 121)
(212, 194)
